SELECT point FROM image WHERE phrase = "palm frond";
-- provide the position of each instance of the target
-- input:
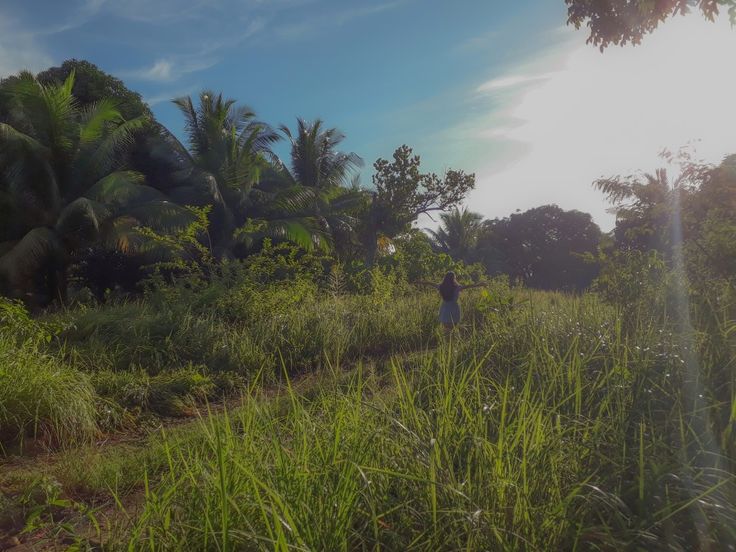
(39, 248)
(123, 189)
(163, 216)
(96, 118)
(106, 153)
(79, 222)
(24, 164)
(306, 232)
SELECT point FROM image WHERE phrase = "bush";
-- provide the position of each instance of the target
(40, 396)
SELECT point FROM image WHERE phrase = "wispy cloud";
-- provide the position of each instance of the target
(477, 43)
(175, 66)
(310, 26)
(511, 81)
(171, 69)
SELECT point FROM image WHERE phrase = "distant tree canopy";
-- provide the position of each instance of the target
(91, 84)
(545, 247)
(93, 186)
(622, 22)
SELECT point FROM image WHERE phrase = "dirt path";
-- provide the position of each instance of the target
(77, 519)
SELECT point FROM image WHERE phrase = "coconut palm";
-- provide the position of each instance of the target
(63, 183)
(315, 161)
(458, 234)
(227, 155)
(320, 183)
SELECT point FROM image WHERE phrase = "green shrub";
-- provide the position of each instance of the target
(40, 396)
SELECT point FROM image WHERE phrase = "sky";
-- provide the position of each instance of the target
(502, 89)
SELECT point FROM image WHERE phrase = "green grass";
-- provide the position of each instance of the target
(545, 430)
(547, 422)
(41, 397)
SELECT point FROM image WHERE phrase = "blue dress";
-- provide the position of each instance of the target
(450, 310)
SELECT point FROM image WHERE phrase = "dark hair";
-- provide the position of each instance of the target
(449, 286)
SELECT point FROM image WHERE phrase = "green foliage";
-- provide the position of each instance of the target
(41, 397)
(458, 234)
(62, 174)
(628, 21)
(544, 248)
(182, 248)
(172, 393)
(402, 193)
(633, 280)
(92, 85)
(546, 427)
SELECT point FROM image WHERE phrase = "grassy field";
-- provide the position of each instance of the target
(293, 418)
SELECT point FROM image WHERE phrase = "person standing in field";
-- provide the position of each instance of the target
(450, 293)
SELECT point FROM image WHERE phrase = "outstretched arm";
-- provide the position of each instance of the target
(424, 283)
(471, 286)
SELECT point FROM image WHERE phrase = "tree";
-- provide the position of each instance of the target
(63, 185)
(321, 180)
(458, 234)
(643, 208)
(709, 224)
(695, 211)
(227, 165)
(315, 161)
(226, 155)
(627, 21)
(402, 193)
(91, 85)
(545, 247)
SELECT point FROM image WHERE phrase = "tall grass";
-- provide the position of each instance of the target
(40, 396)
(547, 427)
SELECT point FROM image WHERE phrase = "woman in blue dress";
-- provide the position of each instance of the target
(450, 292)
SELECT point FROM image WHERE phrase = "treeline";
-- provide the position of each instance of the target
(93, 188)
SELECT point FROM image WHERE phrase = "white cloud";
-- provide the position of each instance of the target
(510, 81)
(161, 70)
(171, 69)
(165, 97)
(602, 114)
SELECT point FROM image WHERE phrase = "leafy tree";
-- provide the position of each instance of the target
(91, 85)
(643, 208)
(695, 212)
(402, 193)
(62, 184)
(709, 224)
(627, 21)
(415, 255)
(226, 154)
(546, 247)
(458, 234)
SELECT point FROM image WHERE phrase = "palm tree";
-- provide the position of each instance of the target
(63, 184)
(224, 165)
(321, 183)
(458, 234)
(643, 208)
(227, 152)
(315, 161)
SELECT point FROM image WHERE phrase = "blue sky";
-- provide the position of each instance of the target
(495, 87)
